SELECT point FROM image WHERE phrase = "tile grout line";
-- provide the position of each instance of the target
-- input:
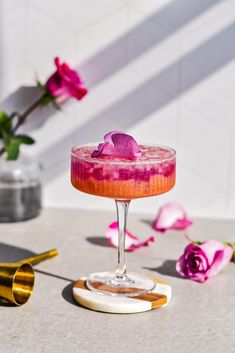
(194, 172)
(179, 103)
(229, 169)
(204, 117)
(229, 176)
(85, 27)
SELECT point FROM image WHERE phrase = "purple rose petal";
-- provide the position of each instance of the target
(118, 144)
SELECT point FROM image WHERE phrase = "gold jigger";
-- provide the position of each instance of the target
(17, 279)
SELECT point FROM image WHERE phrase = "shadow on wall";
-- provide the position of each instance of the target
(115, 56)
(144, 100)
(23, 98)
(177, 14)
(195, 66)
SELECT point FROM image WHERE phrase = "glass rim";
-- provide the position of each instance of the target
(128, 161)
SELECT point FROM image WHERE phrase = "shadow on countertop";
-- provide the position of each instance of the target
(11, 253)
(149, 222)
(8, 254)
(167, 269)
(100, 241)
(67, 294)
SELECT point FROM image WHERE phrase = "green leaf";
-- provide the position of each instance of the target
(40, 85)
(232, 245)
(227, 243)
(5, 124)
(12, 144)
(12, 148)
(3, 116)
(47, 98)
(25, 139)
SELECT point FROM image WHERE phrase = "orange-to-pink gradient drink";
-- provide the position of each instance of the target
(122, 170)
(118, 178)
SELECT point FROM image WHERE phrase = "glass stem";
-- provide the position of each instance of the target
(122, 211)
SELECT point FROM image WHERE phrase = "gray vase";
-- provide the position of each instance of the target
(20, 189)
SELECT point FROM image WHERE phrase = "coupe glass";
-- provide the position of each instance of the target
(123, 180)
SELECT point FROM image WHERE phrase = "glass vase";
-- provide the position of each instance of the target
(20, 189)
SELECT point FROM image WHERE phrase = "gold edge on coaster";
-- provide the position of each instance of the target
(156, 299)
(156, 280)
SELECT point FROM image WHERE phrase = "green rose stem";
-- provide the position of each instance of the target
(232, 245)
(45, 99)
(22, 118)
(191, 241)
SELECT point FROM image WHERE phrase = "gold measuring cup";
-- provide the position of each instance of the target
(17, 278)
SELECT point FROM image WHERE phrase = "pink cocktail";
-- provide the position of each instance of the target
(121, 179)
(118, 178)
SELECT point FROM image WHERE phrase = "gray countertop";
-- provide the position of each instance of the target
(200, 317)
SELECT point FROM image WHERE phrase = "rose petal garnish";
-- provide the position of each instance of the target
(118, 144)
(171, 216)
(131, 243)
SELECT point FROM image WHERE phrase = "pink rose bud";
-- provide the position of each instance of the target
(65, 83)
(171, 216)
(200, 262)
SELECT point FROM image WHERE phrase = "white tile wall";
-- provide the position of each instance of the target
(76, 14)
(13, 44)
(204, 147)
(152, 56)
(162, 70)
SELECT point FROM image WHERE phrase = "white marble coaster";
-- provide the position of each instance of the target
(160, 296)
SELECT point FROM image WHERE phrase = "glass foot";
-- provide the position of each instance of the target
(129, 285)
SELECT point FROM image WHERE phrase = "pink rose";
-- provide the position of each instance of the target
(65, 83)
(200, 262)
